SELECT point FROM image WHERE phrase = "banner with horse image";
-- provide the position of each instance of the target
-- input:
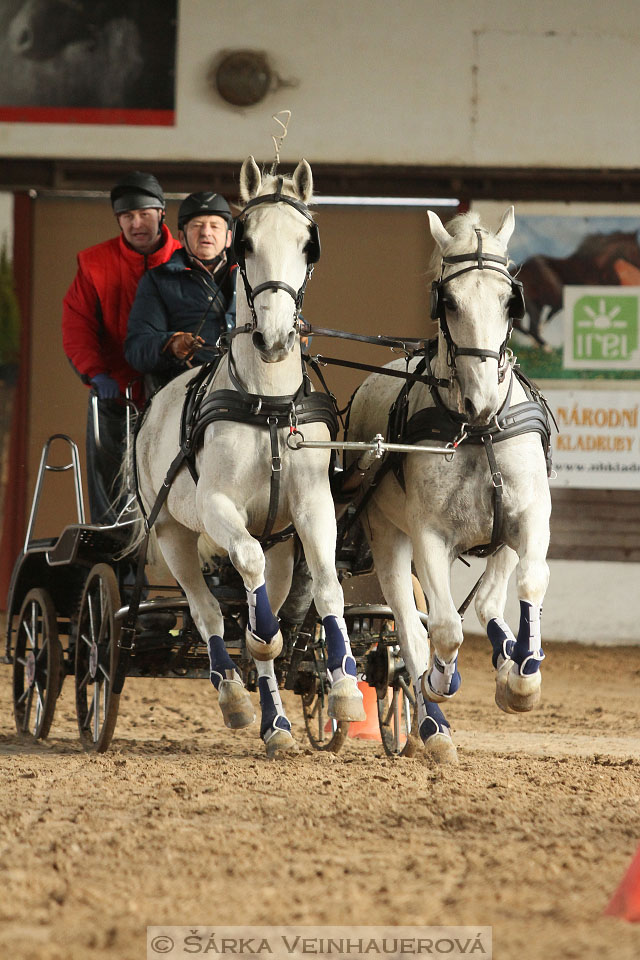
(580, 266)
(108, 61)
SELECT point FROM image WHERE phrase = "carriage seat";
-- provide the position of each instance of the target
(88, 544)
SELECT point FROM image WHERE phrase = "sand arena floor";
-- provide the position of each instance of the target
(184, 822)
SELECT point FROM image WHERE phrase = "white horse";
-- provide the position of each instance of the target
(445, 506)
(276, 244)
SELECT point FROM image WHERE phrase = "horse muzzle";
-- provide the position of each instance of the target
(276, 349)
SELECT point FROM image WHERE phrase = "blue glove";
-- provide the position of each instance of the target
(105, 386)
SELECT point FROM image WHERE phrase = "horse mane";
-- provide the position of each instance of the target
(462, 229)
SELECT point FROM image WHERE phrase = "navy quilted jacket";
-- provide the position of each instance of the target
(178, 297)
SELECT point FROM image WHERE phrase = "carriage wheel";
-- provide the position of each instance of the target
(97, 659)
(397, 718)
(323, 732)
(398, 710)
(38, 669)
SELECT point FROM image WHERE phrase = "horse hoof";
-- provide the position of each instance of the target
(502, 697)
(260, 650)
(522, 693)
(280, 743)
(345, 701)
(441, 749)
(235, 703)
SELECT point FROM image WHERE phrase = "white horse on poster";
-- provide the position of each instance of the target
(437, 507)
(243, 456)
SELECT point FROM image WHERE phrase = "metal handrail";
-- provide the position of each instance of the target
(44, 466)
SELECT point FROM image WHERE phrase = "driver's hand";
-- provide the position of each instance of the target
(184, 345)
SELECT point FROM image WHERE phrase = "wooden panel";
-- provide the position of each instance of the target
(370, 280)
(595, 525)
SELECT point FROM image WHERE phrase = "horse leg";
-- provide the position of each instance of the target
(392, 552)
(490, 603)
(279, 572)
(179, 548)
(316, 526)
(532, 579)
(226, 527)
(275, 728)
(433, 564)
(516, 659)
(263, 636)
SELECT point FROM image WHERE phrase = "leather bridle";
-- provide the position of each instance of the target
(479, 261)
(312, 256)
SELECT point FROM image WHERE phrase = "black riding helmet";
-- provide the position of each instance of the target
(203, 203)
(137, 191)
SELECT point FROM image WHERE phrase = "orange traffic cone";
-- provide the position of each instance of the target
(368, 729)
(625, 902)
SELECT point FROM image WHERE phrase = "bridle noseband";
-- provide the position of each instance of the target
(479, 261)
(313, 253)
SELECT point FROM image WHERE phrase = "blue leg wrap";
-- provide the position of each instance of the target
(339, 656)
(442, 681)
(261, 619)
(527, 651)
(272, 715)
(220, 660)
(502, 640)
(434, 722)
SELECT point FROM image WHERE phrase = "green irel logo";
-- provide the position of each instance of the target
(605, 328)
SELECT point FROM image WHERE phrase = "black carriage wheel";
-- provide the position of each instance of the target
(37, 665)
(398, 711)
(323, 732)
(398, 719)
(97, 647)
(316, 721)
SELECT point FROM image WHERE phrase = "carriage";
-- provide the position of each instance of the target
(69, 597)
(238, 457)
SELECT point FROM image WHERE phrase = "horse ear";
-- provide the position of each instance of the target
(438, 232)
(303, 181)
(506, 226)
(250, 180)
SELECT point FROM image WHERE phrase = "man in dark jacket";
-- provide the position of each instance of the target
(183, 306)
(94, 323)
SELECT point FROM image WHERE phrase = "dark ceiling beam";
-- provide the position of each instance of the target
(466, 183)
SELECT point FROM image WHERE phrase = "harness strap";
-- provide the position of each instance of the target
(498, 490)
(240, 406)
(276, 469)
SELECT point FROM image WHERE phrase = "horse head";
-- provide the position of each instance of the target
(276, 244)
(475, 301)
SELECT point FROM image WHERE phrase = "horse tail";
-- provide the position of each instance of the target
(129, 510)
(132, 517)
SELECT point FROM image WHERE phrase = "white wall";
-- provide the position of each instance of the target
(592, 603)
(477, 82)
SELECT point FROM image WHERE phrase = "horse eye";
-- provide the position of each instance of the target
(248, 245)
(449, 304)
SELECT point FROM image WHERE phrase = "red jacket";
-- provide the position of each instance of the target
(97, 304)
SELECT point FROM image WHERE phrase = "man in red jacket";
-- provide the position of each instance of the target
(94, 324)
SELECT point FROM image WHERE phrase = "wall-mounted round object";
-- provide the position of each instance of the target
(243, 77)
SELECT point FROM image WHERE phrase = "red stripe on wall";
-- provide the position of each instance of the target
(148, 118)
